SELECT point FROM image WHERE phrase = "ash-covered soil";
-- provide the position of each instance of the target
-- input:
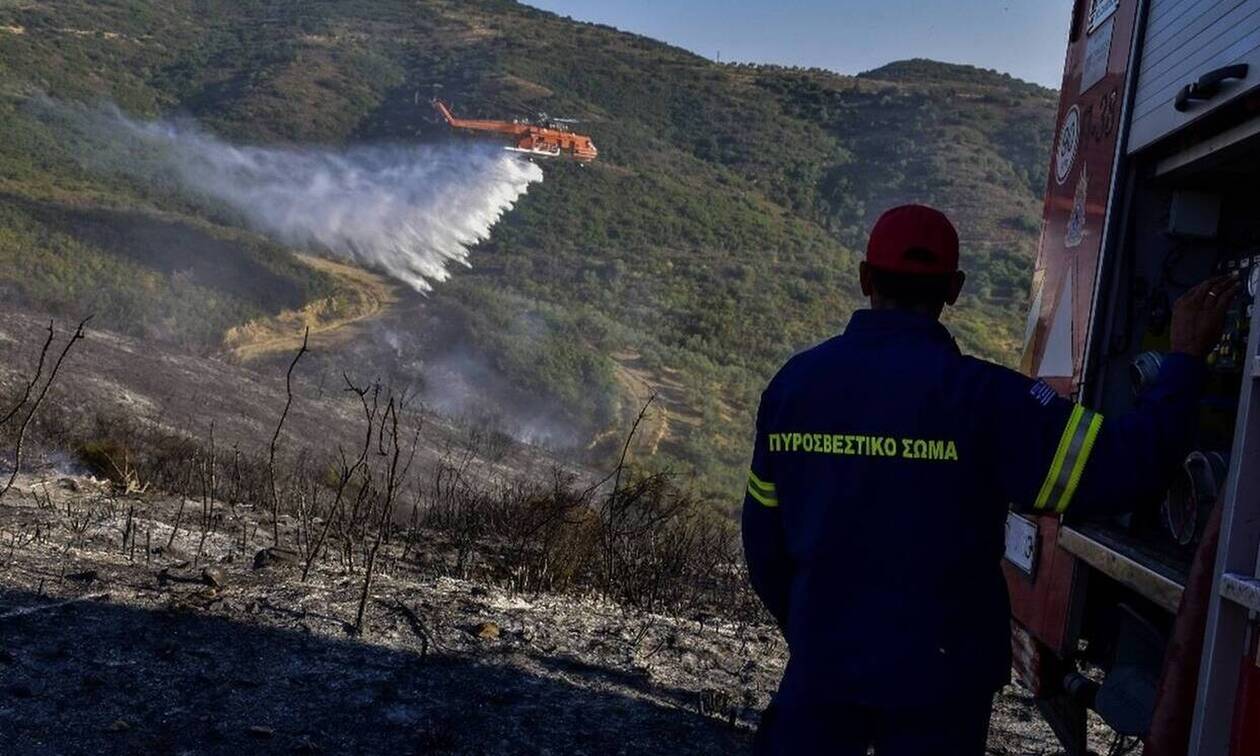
(109, 376)
(115, 644)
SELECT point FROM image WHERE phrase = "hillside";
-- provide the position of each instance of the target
(718, 233)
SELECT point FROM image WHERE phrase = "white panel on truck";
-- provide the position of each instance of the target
(1186, 40)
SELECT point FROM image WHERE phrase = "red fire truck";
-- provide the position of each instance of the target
(1150, 619)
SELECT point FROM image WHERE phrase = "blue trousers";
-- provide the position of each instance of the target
(957, 727)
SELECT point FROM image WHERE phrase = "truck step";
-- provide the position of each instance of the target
(1241, 589)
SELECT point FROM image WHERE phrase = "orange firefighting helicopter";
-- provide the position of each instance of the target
(542, 138)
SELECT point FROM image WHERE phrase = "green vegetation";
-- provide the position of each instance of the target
(139, 261)
(718, 233)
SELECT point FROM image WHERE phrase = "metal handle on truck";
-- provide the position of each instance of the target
(1209, 85)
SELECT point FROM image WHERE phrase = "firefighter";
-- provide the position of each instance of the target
(884, 465)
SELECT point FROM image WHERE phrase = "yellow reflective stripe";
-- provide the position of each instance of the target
(1087, 448)
(764, 486)
(1056, 466)
(761, 490)
(766, 500)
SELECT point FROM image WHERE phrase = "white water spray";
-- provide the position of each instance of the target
(409, 210)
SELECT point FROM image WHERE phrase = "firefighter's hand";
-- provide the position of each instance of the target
(1199, 315)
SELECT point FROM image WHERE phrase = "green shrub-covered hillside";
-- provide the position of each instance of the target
(718, 233)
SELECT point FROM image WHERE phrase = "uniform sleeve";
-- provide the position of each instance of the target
(765, 547)
(1054, 455)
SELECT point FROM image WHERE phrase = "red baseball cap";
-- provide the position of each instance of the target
(913, 239)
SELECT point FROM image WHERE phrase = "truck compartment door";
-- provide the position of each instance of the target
(1207, 52)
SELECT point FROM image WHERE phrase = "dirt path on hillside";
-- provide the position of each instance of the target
(639, 383)
(359, 296)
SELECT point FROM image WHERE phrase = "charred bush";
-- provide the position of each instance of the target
(640, 538)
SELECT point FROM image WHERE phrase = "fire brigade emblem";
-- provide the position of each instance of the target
(1069, 143)
(1076, 221)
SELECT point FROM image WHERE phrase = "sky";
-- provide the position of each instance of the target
(1025, 38)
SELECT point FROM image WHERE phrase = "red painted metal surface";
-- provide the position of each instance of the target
(1179, 683)
(1076, 208)
(1026, 659)
(1080, 180)
(1079, 186)
(1042, 603)
(1246, 736)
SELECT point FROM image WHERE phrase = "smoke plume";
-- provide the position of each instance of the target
(408, 210)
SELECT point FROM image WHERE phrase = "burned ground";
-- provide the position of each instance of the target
(491, 603)
(153, 658)
(114, 387)
(99, 677)
(106, 648)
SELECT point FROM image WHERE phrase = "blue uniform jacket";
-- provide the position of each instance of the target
(884, 467)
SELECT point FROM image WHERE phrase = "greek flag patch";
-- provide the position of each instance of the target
(1043, 393)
